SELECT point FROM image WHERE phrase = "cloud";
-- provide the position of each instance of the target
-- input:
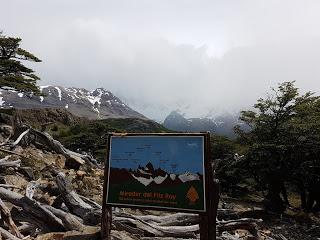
(197, 56)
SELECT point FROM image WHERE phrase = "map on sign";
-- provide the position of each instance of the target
(160, 171)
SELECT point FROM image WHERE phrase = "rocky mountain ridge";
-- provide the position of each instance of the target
(96, 104)
(221, 125)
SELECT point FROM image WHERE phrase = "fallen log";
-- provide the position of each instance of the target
(6, 216)
(248, 224)
(9, 186)
(11, 152)
(75, 204)
(91, 203)
(177, 219)
(74, 160)
(69, 221)
(27, 228)
(4, 163)
(156, 230)
(34, 209)
(15, 143)
(8, 235)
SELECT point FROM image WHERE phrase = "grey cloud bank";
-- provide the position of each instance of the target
(198, 56)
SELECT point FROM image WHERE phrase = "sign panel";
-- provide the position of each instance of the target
(157, 171)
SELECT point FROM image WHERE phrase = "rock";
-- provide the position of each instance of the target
(60, 161)
(80, 173)
(28, 172)
(90, 233)
(16, 180)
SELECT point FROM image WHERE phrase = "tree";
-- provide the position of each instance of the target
(13, 74)
(284, 136)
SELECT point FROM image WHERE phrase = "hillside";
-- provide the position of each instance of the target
(80, 134)
(96, 104)
(91, 136)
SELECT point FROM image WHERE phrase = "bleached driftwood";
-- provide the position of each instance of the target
(7, 234)
(178, 225)
(5, 163)
(70, 221)
(17, 141)
(6, 216)
(156, 230)
(73, 159)
(177, 219)
(248, 224)
(33, 209)
(75, 204)
(9, 186)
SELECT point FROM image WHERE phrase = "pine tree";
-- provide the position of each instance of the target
(13, 74)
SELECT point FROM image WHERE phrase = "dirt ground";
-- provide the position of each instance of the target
(294, 224)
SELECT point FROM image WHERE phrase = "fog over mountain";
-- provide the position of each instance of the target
(197, 56)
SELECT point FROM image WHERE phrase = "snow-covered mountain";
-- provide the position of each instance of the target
(148, 175)
(220, 125)
(96, 104)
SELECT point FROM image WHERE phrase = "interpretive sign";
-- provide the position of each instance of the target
(157, 171)
(162, 171)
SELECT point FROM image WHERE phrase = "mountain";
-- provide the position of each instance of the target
(178, 122)
(221, 125)
(148, 175)
(96, 104)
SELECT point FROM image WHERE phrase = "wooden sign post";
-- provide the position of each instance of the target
(170, 172)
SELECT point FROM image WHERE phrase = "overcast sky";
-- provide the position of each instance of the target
(161, 55)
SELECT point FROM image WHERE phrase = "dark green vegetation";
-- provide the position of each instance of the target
(91, 136)
(13, 74)
(180, 190)
(281, 151)
(79, 134)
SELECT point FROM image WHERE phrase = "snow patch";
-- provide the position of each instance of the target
(94, 100)
(160, 179)
(59, 92)
(173, 176)
(43, 87)
(1, 101)
(144, 172)
(97, 111)
(186, 177)
(144, 181)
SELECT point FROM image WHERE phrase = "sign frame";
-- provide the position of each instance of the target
(146, 206)
(211, 191)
